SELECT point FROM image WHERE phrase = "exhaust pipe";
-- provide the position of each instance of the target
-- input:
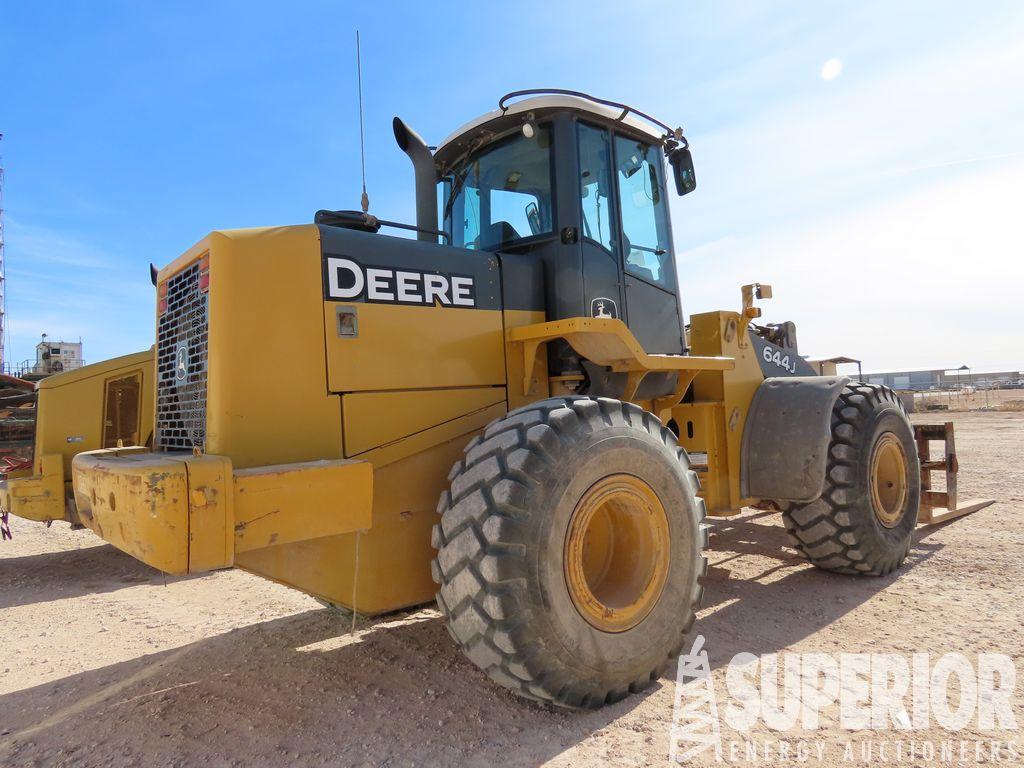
(426, 178)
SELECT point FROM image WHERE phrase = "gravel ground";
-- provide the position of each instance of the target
(104, 661)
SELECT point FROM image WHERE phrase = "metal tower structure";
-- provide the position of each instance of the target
(3, 272)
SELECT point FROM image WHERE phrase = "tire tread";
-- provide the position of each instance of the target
(478, 566)
(823, 530)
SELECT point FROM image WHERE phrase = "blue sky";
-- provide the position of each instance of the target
(883, 203)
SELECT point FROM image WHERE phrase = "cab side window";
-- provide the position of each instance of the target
(595, 190)
(644, 217)
(502, 194)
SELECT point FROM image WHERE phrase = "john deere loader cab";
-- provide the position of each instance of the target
(579, 185)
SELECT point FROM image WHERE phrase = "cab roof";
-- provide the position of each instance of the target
(466, 134)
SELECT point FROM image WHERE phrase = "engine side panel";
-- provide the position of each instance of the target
(404, 314)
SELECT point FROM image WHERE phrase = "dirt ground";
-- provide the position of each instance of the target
(104, 662)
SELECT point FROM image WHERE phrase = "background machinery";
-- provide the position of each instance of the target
(102, 405)
(515, 421)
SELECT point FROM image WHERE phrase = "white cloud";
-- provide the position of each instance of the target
(884, 210)
(39, 245)
(929, 279)
(68, 288)
(861, 139)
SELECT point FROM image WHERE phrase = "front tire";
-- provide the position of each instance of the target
(569, 550)
(865, 517)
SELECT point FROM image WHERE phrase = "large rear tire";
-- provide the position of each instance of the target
(864, 520)
(570, 550)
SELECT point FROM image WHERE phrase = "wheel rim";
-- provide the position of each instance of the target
(617, 553)
(888, 479)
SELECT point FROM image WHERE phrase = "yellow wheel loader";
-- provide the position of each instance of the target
(514, 421)
(102, 405)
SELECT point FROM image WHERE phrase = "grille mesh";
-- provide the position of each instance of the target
(181, 396)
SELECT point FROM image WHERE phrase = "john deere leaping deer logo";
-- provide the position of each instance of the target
(604, 309)
(181, 364)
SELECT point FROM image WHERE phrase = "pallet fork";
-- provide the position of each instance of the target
(940, 506)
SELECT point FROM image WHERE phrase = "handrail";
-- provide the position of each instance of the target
(626, 109)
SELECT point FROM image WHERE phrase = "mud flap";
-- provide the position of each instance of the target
(786, 438)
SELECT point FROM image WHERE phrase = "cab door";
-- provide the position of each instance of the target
(649, 279)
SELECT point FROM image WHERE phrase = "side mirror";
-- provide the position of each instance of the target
(682, 169)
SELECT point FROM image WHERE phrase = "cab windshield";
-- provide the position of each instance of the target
(501, 194)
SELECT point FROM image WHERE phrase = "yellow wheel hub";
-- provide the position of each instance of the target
(888, 479)
(617, 553)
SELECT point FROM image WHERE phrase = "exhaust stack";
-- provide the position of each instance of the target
(426, 178)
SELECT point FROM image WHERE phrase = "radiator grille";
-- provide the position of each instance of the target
(181, 364)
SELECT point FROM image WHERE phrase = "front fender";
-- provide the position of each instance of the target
(786, 438)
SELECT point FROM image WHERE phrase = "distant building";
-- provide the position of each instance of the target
(57, 357)
(940, 378)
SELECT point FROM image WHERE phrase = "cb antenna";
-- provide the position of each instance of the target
(365, 199)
